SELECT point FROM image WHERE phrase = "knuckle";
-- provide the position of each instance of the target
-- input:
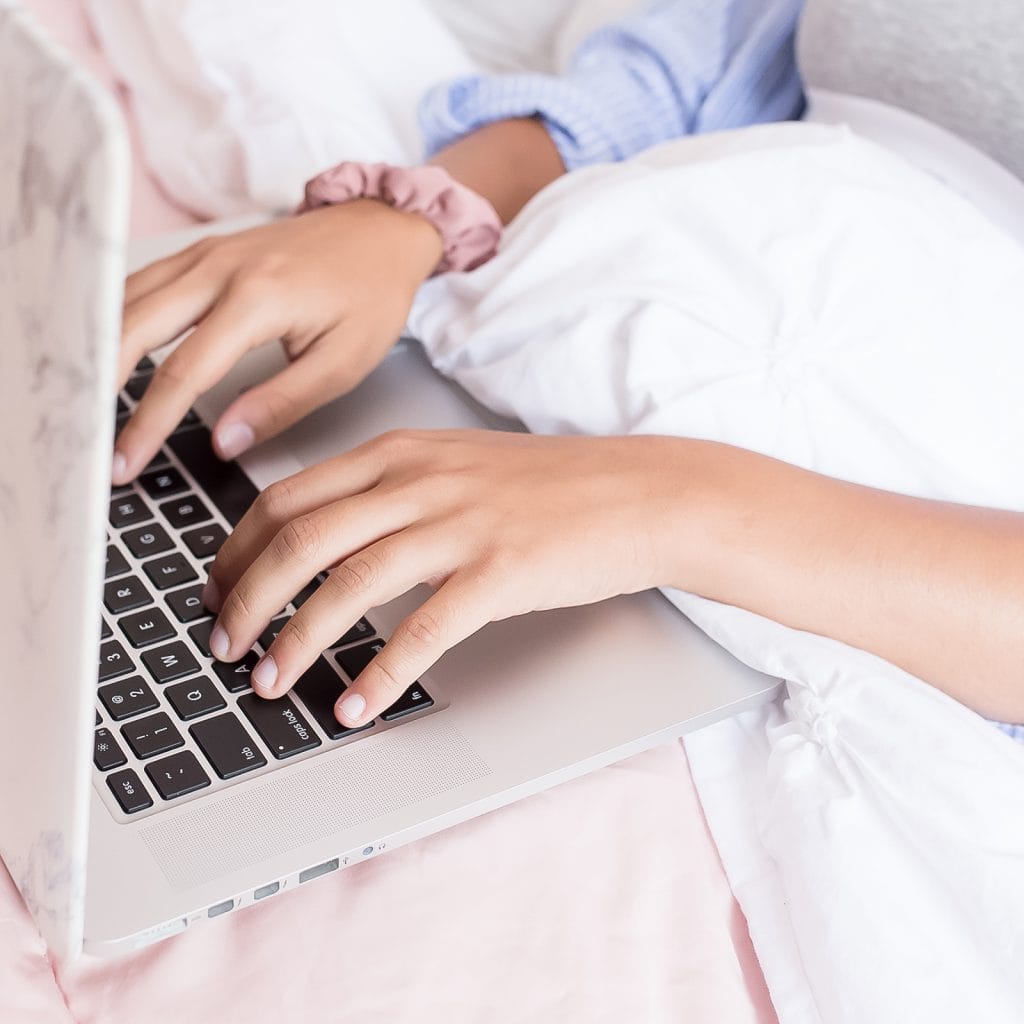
(423, 630)
(298, 634)
(300, 539)
(237, 605)
(386, 678)
(278, 502)
(359, 574)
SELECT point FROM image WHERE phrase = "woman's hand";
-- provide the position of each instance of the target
(499, 524)
(334, 284)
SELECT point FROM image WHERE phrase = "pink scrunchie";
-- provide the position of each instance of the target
(470, 228)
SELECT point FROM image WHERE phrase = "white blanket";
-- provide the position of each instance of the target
(801, 292)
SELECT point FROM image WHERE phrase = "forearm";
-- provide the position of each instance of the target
(507, 162)
(933, 587)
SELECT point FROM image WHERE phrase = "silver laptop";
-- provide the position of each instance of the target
(163, 793)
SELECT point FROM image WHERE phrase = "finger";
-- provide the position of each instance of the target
(371, 577)
(456, 611)
(163, 315)
(323, 372)
(156, 275)
(232, 327)
(342, 477)
(302, 548)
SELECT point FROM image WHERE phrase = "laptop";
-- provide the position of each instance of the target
(156, 792)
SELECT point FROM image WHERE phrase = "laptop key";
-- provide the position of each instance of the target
(225, 483)
(127, 510)
(205, 541)
(186, 511)
(236, 676)
(354, 659)
(105, 630)
(170, 662)
(136, 386)
(170, 571)
(200, 634)
(414, 699)
(149, 626)
(280, 724)
(116, 565)
(127, 697)
(319, 689)
(362, 630)
(145, 541)
(162, 483)
(144, 365)
(194, 698)
(274, 627)
(114, 661)
(106, 752)
(128, 790)
(227, 745)
(187, 604)
(125, 595)
(151, 736)
(177, 775)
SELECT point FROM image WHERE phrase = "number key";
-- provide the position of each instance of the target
(114, 661)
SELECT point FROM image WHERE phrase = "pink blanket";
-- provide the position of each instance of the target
(602, 900)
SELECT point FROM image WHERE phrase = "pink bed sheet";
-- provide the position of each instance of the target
(601, 900)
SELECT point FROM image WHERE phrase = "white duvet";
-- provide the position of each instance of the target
(800, 291)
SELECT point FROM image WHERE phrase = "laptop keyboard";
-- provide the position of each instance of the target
(170, 720)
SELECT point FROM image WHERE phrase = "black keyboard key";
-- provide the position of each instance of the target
(306, 593)
(125, 595)
(162, 483)
(146, 627)
(170, 571)
(106, 751)
(189, 420)
(194, 698)
(269, 635)
(236, 676)
(145, 541)
(319, 688)
(114, 661)
(128, 697)
(105, 630)
(200, 634)
(185, 512)
(121, 408)
(127, 510)
(128, 789)
(160, 459)
(136, 386)
(187, 604)
(97, 718)
(280, 724)
(224, 482)
(177, 775)
(362, 630)
(354, 659)
(230, 749)
(170, 662)
(151, 736)
(205, 541)
(144, 365)
(414, 699)
(116, 563)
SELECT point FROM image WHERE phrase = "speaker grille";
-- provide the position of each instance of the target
(376, 776)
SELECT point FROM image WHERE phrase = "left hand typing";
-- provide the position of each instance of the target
(498, 524)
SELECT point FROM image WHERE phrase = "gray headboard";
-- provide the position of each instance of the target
(959, 63)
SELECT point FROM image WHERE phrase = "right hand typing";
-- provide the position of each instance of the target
(335, 285)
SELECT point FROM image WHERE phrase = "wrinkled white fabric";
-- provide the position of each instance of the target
(801, 292)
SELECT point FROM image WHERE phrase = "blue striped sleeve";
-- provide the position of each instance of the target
(676, 67)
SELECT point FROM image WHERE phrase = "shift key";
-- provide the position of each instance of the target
(280, 724)
(229, 748)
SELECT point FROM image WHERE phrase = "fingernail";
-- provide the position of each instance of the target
(351, 706)
(211, 595)
(234, 439)
(220, 642)
(118, 468)
(264, 675)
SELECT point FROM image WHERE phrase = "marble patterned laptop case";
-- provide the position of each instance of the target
(63, 203)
